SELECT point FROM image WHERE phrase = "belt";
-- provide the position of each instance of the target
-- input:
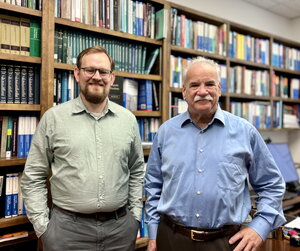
(101, 216)
(202, 234)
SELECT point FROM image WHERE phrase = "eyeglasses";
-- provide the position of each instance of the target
(90, 72)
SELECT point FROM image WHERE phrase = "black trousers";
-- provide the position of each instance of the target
(169, 240)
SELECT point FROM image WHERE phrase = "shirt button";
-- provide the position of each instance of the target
(98, 205)
(197, 215)
(200, 170)
(100, 177)
(198, 193)
(201, 150)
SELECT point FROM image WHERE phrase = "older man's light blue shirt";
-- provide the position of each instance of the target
(199, 177)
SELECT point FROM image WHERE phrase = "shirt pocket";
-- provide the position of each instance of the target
(230, 176)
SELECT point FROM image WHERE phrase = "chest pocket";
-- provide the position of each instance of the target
(231, 176)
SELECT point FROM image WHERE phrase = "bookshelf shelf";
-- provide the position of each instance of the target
(13, 221)
(19, 107)
(19, 58)
(146, 113)
(31, 237)
(282, 70)
(23, 10)
(248, 63)
(113, 33)
(13, 161)
(193, 52)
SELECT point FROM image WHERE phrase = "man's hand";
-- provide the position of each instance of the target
(151, 245)
(250, 240)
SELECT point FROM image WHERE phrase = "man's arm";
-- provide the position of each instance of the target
(33, 181)
(153, 187)
(268, 183)
(136, 167)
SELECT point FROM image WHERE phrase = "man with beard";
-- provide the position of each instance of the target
(196, 179)
(93, 149)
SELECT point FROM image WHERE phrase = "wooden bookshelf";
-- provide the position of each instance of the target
(162, 75)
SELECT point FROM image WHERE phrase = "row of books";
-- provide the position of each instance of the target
(20, 36)
(129, 57)
(133, 17)
(286, 116)
(248, 48)
(12, 203)
(178, 64)
(140, 95)
(19, 84)
(247, 81)
(257, 113)
(65, 87)
(177, 106)
(16, 135)
(285, 87)
(197, 35)
(32, 4)
(285, 57)
(148, 128)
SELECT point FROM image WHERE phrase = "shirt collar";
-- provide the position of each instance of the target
(219, 115)
(79, 107)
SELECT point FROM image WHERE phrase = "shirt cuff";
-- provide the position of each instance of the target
(260, 226)
(152, 230)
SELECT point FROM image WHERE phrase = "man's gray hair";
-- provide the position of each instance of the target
(201, 60)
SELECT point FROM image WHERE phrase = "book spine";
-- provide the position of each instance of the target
(24, 85)
(15, 193)
(17, 84)
(10, 85)
(21, 135)
(14, 148)
(9, 137)
(3, 84)
(8, 195)
(35, 38)
(30, 86)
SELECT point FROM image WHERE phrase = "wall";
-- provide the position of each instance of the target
(251, 16)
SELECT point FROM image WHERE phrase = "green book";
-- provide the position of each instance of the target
(35, 38)
(151, 60)
(161, 24)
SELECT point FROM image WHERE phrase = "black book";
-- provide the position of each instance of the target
(116, 91)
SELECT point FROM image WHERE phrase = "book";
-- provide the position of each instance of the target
(24, 84)
(161, 24)
(15, 194)
(4, 136)
(116, 91)
(10, 85)
(145, 95)
(24, 36)
(3, 83)
(15, 35)
(130, 93)
(151, 60)
(4, 33)
(17, 84)
(35, 38)
(21, 137)
(13, 236)
(9, 137)
(8, 195)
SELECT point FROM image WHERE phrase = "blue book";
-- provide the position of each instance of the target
(27, 124)
(15, 194)
(145, 95)
(21, 137)
(64, 87)
(8, 195)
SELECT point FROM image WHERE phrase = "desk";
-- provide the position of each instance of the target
(278, 245)
(295, 202)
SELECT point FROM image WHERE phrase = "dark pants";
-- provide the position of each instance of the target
(66, 232)
(169, 240)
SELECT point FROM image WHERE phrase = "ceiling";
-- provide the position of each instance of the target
(286, 8)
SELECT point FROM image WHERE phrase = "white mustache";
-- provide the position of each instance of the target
(207, 97)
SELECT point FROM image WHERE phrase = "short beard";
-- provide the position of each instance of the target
(93, 98)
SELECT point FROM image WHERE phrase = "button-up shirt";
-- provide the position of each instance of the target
(198, 177)
(96, 164)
